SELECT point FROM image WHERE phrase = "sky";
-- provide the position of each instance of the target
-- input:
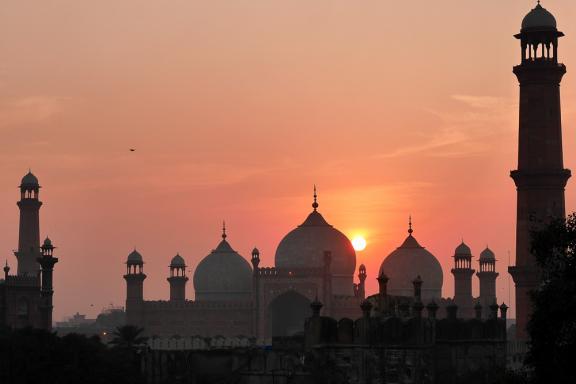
(237, 108)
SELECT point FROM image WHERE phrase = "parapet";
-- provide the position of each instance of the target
(199, 343)
(289, 272)
(197, 305)
(22, 281)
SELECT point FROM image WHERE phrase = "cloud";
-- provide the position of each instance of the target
(464, 131)
(30, 110)
(480, 101)
(444, 139)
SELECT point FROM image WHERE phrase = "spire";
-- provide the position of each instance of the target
(315, 203)
(224, 230)
(410, 230)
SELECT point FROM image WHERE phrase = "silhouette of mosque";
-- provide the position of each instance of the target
(315, 261)
(399, 336)
(26, 298)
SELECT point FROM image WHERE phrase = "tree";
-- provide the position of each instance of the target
(42, 357)
(552, 327)
(128, 337)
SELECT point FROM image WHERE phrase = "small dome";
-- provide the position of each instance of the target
(47, 242)
(462, 250)
(178, 262)
(29, 180)
(487, 254)
(538, 18)
(407, 262)
(134, 258)
(223, 275)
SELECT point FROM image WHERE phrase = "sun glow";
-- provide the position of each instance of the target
(359, 243)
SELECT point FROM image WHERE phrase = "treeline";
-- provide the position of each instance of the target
(42, 357)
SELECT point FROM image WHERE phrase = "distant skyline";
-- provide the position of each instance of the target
(236, 109)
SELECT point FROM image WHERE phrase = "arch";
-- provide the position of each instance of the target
(287, 313)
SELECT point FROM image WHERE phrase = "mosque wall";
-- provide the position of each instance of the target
(20, 302)
(164, 318)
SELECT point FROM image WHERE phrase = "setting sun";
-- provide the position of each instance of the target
(359, 243)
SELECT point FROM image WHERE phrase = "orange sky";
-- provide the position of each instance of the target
(236, 108)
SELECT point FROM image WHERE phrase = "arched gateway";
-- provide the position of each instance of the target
(287, 314)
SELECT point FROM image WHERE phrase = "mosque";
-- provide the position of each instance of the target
(406, 332)
(315, 261)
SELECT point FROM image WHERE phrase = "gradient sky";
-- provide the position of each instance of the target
(237, 107)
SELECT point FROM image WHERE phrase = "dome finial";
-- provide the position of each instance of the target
(315, 203)
(224, 230)
(410, 230)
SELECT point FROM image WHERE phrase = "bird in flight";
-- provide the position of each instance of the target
(132, 149)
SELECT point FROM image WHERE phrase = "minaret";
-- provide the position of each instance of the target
(29, 233)
(177, 279)
(255, 288)
(541, 177)
(6, 271)
(463, 272)
(487, 277)
(382, 293)
(362, 282)
(134, 287)
(47, 261)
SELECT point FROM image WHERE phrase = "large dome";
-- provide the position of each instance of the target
(223, 275)
(407, 262)
(304, 247)
(538, 18)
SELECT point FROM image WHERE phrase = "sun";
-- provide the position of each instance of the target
(359, 243)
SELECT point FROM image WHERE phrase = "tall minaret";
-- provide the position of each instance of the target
(134, 287)
(29, 234)
(487, 277)
(541, 177)
(463, 272)
(177, 279)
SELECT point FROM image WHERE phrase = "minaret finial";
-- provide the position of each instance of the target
(410, 230)
(223, 230)
(315, 203)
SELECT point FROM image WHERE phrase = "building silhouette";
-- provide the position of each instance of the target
(541, 177)
(26, 298)
(232, 298)
(406, 332)
(315, 262)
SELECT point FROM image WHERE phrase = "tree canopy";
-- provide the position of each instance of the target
(41, 357)
(552, 327)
